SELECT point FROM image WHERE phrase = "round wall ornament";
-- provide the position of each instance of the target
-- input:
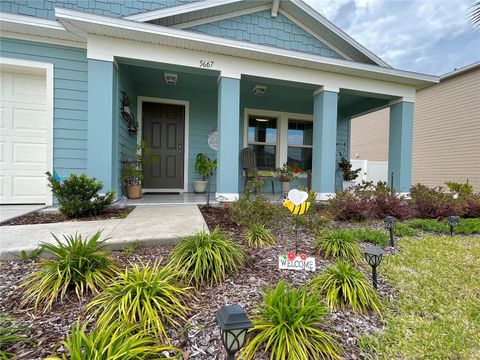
(213, 140)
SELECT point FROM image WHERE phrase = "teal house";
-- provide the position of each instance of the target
(85, 81)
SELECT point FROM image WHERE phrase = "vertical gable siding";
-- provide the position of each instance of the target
(116, 8)
(260, 28)
(70, 98)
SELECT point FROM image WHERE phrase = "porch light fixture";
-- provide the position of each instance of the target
(234, 323)
(390, 225)
(373, 256)
(452, 221)
(259, 90)
(170, 78)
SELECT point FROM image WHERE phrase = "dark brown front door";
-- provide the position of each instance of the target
(163, 131)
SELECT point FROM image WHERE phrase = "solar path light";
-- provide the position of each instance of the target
(452, 221)
(373, 256)
(390, 225)
(234, 323)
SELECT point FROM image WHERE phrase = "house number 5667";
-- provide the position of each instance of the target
(207, 64)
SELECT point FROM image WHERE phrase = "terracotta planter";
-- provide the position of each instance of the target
(285, 186)
(134, 191)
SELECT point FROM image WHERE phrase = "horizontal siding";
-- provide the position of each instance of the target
(70, 98)
(446, 134)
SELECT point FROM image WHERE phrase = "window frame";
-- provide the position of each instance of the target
(281, 153)
(302, 146)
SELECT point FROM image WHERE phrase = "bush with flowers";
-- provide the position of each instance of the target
(287, 173)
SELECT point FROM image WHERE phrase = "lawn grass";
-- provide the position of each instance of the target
(436, 314)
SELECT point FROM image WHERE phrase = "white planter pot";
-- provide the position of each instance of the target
(199, 186)
(348, 184)
(285, 186)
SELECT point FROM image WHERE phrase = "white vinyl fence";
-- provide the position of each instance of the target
(371, 170)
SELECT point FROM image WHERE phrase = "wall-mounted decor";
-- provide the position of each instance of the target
(128, 115)
(213, 140)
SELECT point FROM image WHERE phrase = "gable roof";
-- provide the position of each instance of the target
(205, 11)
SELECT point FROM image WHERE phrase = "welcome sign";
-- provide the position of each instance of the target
(291, 261)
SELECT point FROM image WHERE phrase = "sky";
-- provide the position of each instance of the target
(426, 36)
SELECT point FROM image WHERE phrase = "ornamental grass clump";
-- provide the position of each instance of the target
(114, 341)
(207, 258)
(339, 244)
(148, 295)
(74, 263)
(289, 326)
(258, 236)
(343, 286)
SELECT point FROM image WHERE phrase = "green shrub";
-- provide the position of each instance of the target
(339, 244)
(404, 230)
(288, 326)
(10, 334)
(343, 285)
(73, 263)
(251, 209)
(78, 195)
(468, 226)
(258, 236)
(460, 188)
(114, 341)
(145, 295)
(207, 257)
(376, 237)
(430, 225)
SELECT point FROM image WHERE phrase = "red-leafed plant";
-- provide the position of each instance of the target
(433, 203)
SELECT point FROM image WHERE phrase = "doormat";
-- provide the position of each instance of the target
(160, 193)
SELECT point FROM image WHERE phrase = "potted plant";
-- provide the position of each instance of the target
(132, 171)
(349, 175)
(205, 167)
(286, 174)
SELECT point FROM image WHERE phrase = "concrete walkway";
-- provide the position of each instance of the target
(145, 225)
(8, 212)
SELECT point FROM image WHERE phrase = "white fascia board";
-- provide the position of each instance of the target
(83, 21)
(275, 5)
(29, 25)
(324, 21)
(177, 10)
(460, 70)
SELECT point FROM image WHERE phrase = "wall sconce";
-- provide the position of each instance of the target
(259, 90)
(171, 79)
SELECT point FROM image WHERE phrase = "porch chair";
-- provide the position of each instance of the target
(249, 166)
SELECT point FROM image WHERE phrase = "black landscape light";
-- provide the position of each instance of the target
(452, 221)
(234, 323)
(373, 256)
(390, 225)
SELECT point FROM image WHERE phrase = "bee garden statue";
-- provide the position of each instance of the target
(296, 202)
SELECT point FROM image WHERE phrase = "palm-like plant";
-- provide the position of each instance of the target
(76, 263)
(114, 341)
(343, 285)
(147, 294)
(9, 334)
(289, 327)
(258, 236)
(339, 244)
(207, 257)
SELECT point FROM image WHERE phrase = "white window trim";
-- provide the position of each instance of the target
(186, 104)
(48, 67)
(282, 130)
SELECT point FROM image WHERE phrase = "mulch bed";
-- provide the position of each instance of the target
(47, 217)
(199, 338)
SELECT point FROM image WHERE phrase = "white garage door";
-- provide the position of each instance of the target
(25, 129)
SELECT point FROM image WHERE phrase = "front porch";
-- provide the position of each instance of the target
(302, 124)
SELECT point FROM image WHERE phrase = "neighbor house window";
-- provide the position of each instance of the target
(300, 140)
(262, 138)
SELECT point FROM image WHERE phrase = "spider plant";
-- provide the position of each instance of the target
(289, 326)
(147, 294)
(343, 285)
(115, 341)
(75, 263)
(339, 244)
(258, 236)
(207, 257)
